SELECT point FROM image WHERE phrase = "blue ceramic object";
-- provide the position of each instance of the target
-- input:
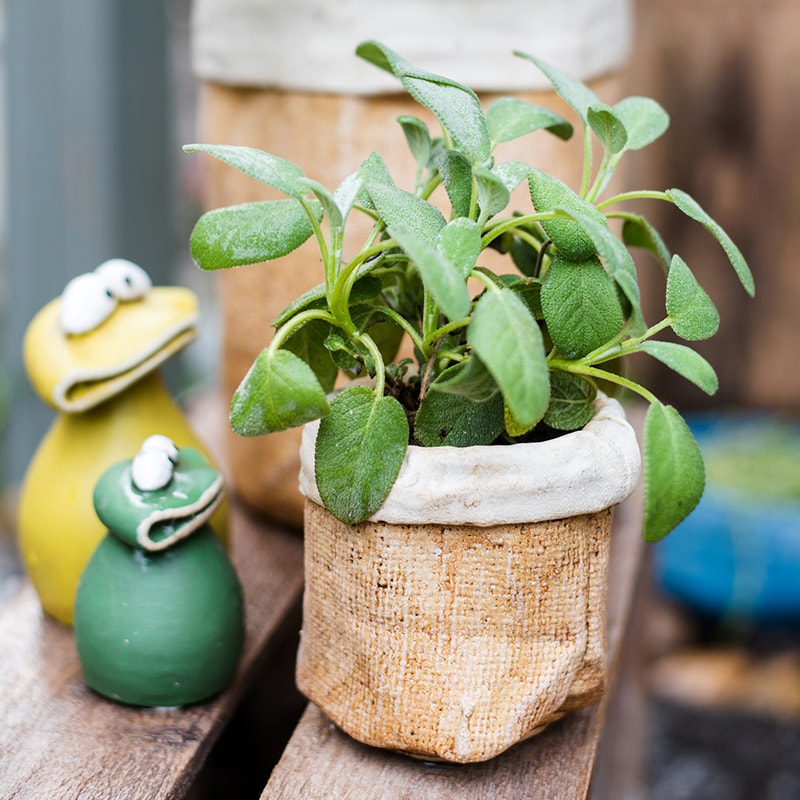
(738, 554)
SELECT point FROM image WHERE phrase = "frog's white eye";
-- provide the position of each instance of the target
(126, 280)
(151, 470)
(86, 303)
(161, 443)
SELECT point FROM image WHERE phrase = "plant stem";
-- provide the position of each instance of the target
(377, 359)
(296, 322)
(601, 374)
(440, 333)
(641, 195)
(587, 160)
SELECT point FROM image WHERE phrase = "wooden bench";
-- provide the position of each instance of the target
(59, 740)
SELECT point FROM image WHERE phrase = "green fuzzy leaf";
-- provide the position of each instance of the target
(347, 193)
(440, 276)
(689, 206)
(580, 306)
(639, 232)
(308, 345)
(493, 196)
(608, 127)
(674, 476)
(692, 313)
(249, 233)
(685, 361)
(405, 210)
(279, 391)
(457, 107)
(507, 339)
(460, 242)
(618, 262)
(456, 420)
(373, 170)
(571, 399)
(360, 448)
(418, 137)
(576, 94)
(266, 168)
(456, 173)
(509, 118)
(644, 119)
(511, 173)
(469, 378)
(548, 194)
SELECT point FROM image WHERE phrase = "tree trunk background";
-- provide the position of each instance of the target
(727, 73)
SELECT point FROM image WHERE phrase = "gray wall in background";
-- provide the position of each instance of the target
(88, 167)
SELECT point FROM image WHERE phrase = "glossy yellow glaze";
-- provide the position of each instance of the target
(58, 528)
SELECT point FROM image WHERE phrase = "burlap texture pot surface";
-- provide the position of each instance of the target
(451, 639)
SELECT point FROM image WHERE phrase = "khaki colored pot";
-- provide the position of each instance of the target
(450, 640)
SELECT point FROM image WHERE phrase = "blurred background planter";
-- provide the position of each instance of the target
(319, 106)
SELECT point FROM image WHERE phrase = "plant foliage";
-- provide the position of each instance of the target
(499, 357)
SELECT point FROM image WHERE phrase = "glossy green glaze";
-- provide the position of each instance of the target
(159, 617)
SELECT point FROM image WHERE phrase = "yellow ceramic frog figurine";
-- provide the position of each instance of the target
(93, 354)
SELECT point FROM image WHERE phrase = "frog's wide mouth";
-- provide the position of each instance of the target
(165, 526)
(81, 390)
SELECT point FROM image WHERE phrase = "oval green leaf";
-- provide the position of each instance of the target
(575, 93)
(692, 313)
(507, 339)
(456, 106)
(456, 420)
(509, 118)
(279, 391)
(264, 167)
(644, 119)
(608, 127)
(571, 399)
(689, 206)
(549, 193)
(685, 361)
(674, 475)
(360, 448)
(249, 233)
(580, 306)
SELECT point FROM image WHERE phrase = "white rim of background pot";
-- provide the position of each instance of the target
(308, 45)
(581, 472)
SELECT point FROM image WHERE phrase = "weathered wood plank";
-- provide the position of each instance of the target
(60, 740)
(321, 762)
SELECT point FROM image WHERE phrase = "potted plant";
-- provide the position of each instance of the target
(513, 361)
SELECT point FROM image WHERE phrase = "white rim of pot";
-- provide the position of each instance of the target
(581, 472)
(308, 45)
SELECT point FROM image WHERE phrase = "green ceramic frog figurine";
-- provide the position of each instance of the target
(159, 615)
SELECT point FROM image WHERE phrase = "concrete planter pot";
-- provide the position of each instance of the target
(457, 622)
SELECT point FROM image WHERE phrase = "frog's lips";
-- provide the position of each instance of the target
(75, 373)
(81, 390)
(165, 526)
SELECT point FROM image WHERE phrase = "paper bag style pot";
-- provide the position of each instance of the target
(469, 611)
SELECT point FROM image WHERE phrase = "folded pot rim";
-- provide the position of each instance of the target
(578, 473)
